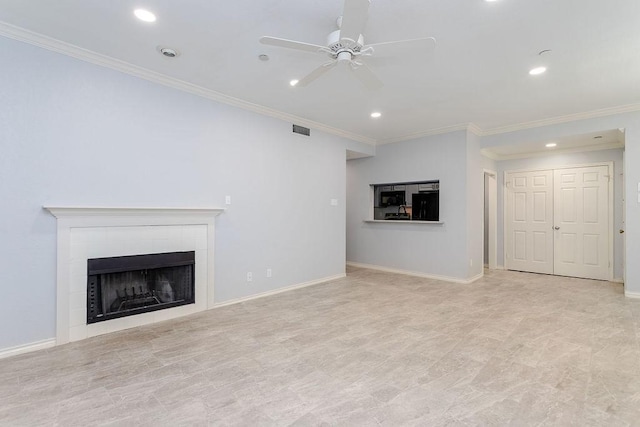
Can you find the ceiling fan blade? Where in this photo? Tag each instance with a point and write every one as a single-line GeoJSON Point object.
{"type": "Point", "coordinates": [354, 18]}
{"type": "Point", "coordinates": [291, 44]}
{"type": "Point", "coordinates": [316, 73]}
{"type": "Point", "coordinates": [423, 45]}
{"type": "Point", "coordinates": [366, 76]}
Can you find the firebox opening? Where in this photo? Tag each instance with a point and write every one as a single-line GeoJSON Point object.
{"type": "Point", "coordinates": [128, 285]}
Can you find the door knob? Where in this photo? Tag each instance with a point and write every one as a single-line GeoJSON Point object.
{"type": "Point", "coordinates": [556, 228]}
{"type": "Point", "coordinates": [621, 231]}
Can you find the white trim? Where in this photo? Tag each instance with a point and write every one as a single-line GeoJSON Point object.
{"type": "Point", "coordinates": [612, 220]}
{"type": "Point", "coordinates": [487, 152]}
{"type": "Point", "coordinates": [280, 290]}
{"type": "Point", "coordinates": [579, 165]}
{"type": "Point", "coordinates": [617, 280]}
{"type": "Point", "coordinates": [119, 211]}
{"type": "Point", "coordinates": [49, 343]}
{"type": "Point", "coordinates": [430, 132]}
{"type": "Point", "coordinates": [603, 112]}
{"type": "Point", "coordinates": [475, 129]}
{"type": "Point", "coordinates": [75, 217]}
{"type": "Point", "coordinates": [416, 274]}
{"type": "Point", "coordinates": [634, 295]}
{"type": "Point", "coordinates": [49, 43]}
{"type": "Point", "coordinates": [504, 220]}
{"type": "Point", "coordinates": [27, 348]}
{"type": "Point", "coordinates": [82, 54]}
{"type": "Point", "coordinates": [493, 217]}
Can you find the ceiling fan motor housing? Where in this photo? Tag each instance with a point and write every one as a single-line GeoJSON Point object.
{"type": "Point", "coordinates": [343, 50]}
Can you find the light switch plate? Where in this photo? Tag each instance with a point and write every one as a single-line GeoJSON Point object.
{"type": "Point", "coordinates": [334, 202]}
{"type": "Point", "coordinates": [227, 200]}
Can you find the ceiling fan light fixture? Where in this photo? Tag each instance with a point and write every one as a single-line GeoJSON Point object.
{"type": "Point", "coordinates": [537, 71]}
{"type": "Point", "coordinates": [346, 46]}
{"type": "Point", "coordinates": [376, 114]}
{"type": "Point", "coordinates": [144, 15]}
{"type": "Point", "coordinates": [294, 82]}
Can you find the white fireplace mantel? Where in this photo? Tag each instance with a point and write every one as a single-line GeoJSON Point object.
{"type": "Point", "coordinates": [92, 232]}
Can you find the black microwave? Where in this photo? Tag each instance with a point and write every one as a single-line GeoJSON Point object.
{"type": "Point", "coordinates": [392, 198]}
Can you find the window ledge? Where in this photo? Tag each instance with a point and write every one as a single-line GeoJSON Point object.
{"type": "Point", "coordinates": [394, 221]}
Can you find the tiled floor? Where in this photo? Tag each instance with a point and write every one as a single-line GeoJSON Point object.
{"type": "Point", "coordinates": [372, 349]}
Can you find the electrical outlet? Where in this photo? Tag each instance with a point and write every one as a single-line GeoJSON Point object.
{"type": "Point", "coordinates": [249, 277]}
{"type": "Point", "coordinates": [227, 200]}
{"type": "Point", "coordinates": [268, 272]}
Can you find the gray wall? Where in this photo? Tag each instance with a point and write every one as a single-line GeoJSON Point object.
{"type": "Point", "coordinates": [549, 162]}
{"type": "Point", "coordinates": [72, 133]}
{"type": "Point", "coordinates": [475, 205]}
{"type": "Point", "coordinates": [430, 249]}
{"type": "Point", "coordinates": [632, 206]}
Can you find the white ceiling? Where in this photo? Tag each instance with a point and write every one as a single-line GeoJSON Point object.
{"type": "Point", "coordinates": [478, 73]}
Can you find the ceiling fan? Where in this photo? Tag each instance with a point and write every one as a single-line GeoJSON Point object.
{"type": "Point", "coordinates": [346, 45]}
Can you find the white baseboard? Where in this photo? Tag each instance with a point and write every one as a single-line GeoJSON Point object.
{"type": "Point", "coordinates": [634, 295]}
{"type": "Point", "coordinates": [279, 291]}
{"type": "Point", "coordinates": [476, 277]}
{"type": "Point", "coordinates": [416, 274]}
{"type": "Point", "coordinates": [41, 345]}
{"type": "Point", "coordinates": [27, 348]}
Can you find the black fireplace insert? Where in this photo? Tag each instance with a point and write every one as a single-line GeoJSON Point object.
{"type": "Point", "coordinates": [128, 285]}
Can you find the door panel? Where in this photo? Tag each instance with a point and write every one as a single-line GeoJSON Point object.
{"type": "Point", "coordinates": [557, 222]}
{"type": "Point", "coordinates": [529, 218]}
{"type": "Point", "coordinates": [581, 215]}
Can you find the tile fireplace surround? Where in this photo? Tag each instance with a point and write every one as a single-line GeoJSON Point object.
{"type": "Point", "coordinates": [87, 232]}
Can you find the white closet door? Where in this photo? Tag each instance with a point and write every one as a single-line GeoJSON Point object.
{"type": "Point", "coordinates": [581, 213]}
{"type": "Point", "coordinates": [529, 218]}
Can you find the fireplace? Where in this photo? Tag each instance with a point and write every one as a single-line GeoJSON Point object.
{"type": "Point", "coordinates": [85, 233]}
{"type": "Point", "coordinates": [128, 285]}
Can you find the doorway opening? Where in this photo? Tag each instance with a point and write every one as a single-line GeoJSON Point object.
{"type": "Point", "coordinates": [490, 219]}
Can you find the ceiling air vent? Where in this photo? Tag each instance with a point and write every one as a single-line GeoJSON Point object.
{"type": "Point", "coordinates": [301, 130]}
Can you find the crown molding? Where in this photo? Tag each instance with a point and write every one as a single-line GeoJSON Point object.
{"type": "Point", "coordinates": [494, 156]}
{"type": "Point", "coordinates": [40, 40]}
{"type": "Point", "coordinates": [475, 129]}
{"type": "Point", "coordinates": [431, 132]}
{"type": "Point", "coordinates": [86, 55]}
{"type": "Point", "coordinates": [603, 112]}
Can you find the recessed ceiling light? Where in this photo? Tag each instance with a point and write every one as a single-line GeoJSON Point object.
{"type": "Point", "coordinates": [551, 145]}
{"type": "Point", "coordinates": [263, 57]}
{"type": "Point", "coordinates": [538, 70]}
{"type": "Point", "coordinates": [293, 82]}
{"type": "Point", "coordinates": [144, 15]}
{"type": "Point", "coordinates": [376, 114]}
